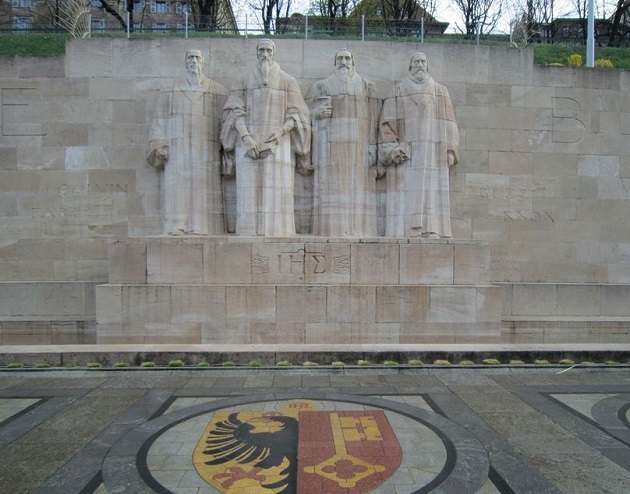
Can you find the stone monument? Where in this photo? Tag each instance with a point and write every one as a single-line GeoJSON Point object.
{"type": "Point", "coordinates": [267, 129]}
{"type": "Point", "coordinates": [344, 109]}
{"type": "Point", "coordinates": [419, 143]}
{"type": "Point", "coordinates": [184, 143]}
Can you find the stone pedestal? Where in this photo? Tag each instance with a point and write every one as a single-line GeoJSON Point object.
{"type": "Point", "coordinates": [255, 290]}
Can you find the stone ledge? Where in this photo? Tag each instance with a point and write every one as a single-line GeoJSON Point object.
{"type": "Point", "coordinates": [59, 355]}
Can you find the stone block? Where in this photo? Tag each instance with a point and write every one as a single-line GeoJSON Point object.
{"type": "Point", "coordinates": [227, 262]}
{"type": "Point", "coordinates": [615, 300]}
{"type": "Point", "coordinates": [377, 333]}
{"type": "Point", "coordinates": [227, 333]}
{"type": "Point", "coordinates": [328, 333]}
{"type": "Point", "coordinates": [375, 263]}
{"type": "Point", "coordinates": [537, 299]}
{"type": "Point", "coordinates": [198, 303]}
{"type": "Point", "coordinates": [350, 304]}
{"type": "Point", "coordinates": [127, 262]}
{"type": "Point", "coordinates": [402, 303]}
{"type": "Point", "coordinates": [452, 304]}
{"type": "Point", "coordinates": [109, 305]}
{"type": "Point", "coordinates": [426, 264]}
{"type": "Point", "coordinates": [471, 264]}
{"type": "Point", "coordinates": [174, 262]}
{"type": "Point", "coordinates": [301, 304]}
{"type": "Point", "coordinates": [146, 303]}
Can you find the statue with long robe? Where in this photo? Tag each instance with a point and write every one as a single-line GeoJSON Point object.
{"type": "Point", "coordinates": [184, 143]}
{"type": "Point", "coordinates": [267, 134]}
{"type": "Point", "coordinates": [344, 110]}
{"type": "Point", "coordinates": [418, 143]}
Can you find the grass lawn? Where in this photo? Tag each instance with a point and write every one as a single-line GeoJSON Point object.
{"type": "Point", "coordinates": [55, 44]}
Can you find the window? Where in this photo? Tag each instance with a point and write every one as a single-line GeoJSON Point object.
{"type": "Point", "coordinates": [138, 7]}
{"type": "Point", "coordinates": [160, 8]}
{"type": "Point", "coordinates": [22, 23]}
{"type": "Point", "coordinates": [96, 4]}
{"type": "Point", "coordinates": [23, 4]}
{"type": "Point", "coordinates": [98, 24]}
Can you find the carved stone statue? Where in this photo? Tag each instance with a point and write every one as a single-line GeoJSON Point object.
{"type": "Point", "coordinates": [419, 142]}
{"type": "Point", "coordinates": [184, 143]}
{"type": "Point", "coordinates": [344, 108]}
{"type": "Point", "coordinates": [267, 130]}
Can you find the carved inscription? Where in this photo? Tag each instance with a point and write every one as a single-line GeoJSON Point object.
{"type": "Point", "coordinates": [300, 262]}
{"type": "Point", "coordinates": [533, 216]}
{"type": "Point", "coordinates": [67, 190]}
{"type": "Point", "coordinates": [566, 126]}
{"type": "Point", "coordinates": [10, 99]}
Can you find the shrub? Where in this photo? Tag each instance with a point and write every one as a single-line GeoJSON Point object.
{"type": "Point", "coordinates": [255, 363]}
{"type": "Point", "coordinates": [363, 363]}
{"type": "Point", "coordinates": [441, 362]}
{"type": "Point", "coordinates": [467, 362]}
{"type": "Point", "coordinates": [147, 364]}
{"type": "Point", "coordinates": [566, 361]}
{"type": "Point", "coordinates": [176, 363]}
{"type": "Point", "coordinates": [337, 363]}
{"type": "Point", "coordinates": [284, 363]}
{"type": "Point", "coordinates": [516, 362]}
{"type": "Point", "coordinates": [14, 365]}
{"type": "Point", "coordinates": [42, 365]}
{"type": "Point", "coordinates": [203, 364]}
{"type": "Point", "coordinates": [93, 365]}
{"type": "Point", "coordinates": [70, 365]}
{"type": "Point", "coordinates": [611, 362]}
{"type": "Point", "coordinates": [604, 63]}
{"type": "Point", "coordinates": [588, 363]}
{"type": "Point", "coordinates": [229, 363]}
{"type": "Point", "coordinates": [121, 364]}
{"type": "Point", "coordinates": [390, 363]}
{"type": "Point", "coordinates": [491, 361]}
{"type": "Point", "coordinates": [575, 60]}
{"type": "Point", "coordinates": [308, 363]}
{"type": "Point", "coordinates": [416, 362]}
{"type": "Point", "coordinates": [541, 362]}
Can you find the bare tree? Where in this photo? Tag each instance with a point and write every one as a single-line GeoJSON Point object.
{"type": "Point", "coordinates": [531, 19]}
{"type": "Point", "coordinates": [479, 16]}
{"type": "Point", "coordinates": [620, 26]}
{"type": "Point", "coordinates": [269, 10]}
{"type": "Point", "coordinates": [333, 8]}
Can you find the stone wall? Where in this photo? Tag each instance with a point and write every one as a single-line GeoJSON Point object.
{"type": "Point", "coordinates": [544, 174]}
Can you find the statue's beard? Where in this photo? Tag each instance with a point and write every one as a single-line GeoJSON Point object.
{"type": "Point", "coordinates": [419, 75]}
{"type": "Point", "coordinates": [344, 72]}
{"type": "Point", "coordinates": [194, 70]}
{"type": "Point", "coordinates": [265, 65]}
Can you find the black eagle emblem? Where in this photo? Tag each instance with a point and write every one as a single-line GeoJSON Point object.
{"type": "Point", "coordinates": [234, 440]}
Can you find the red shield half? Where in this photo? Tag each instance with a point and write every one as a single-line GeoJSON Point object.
{"type": "Point", "coordinates": [351, 452]}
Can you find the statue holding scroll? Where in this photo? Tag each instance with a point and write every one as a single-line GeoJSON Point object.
{"type": "Point", "coordinates": [344, 109]}
{"type": "Point", "coordinates": [267, 134]}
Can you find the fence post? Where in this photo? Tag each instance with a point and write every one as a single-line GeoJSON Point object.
{"type": "Point", "coordinates": [478, 33]}
{"type": "Point", "coordinates": [127, 24]}
{"type": "Point", "coordinates": [422, 30]}
{"type": "Point", "coordinates": [363, 27]}
{"type": "Point", "coordinates": [306, 27]}
{"type": "Point", "coordinates": [246, 30]}
{"type": "Point", "coordinates": [186, 21]}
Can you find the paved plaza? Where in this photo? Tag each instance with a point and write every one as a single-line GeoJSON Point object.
{"type": "Point", "coordinates": [348, 430]}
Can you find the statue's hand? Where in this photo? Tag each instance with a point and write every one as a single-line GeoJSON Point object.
{"type": "Point", "coordinates": [251, 147]}
{"type": "Point", "coordinates": [275, 137]}
{"type": "Point", "coordinates": [451, 159]}
{"type": "Point", "coordinates": [323, 112]}
{"type": "Point", "coordinates": [158, 157]}
{"type": "Point", "coordinates": [398, 156]}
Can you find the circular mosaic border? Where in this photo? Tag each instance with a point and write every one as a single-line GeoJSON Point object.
{"type": "Point", "coordinates": [466, 469]}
